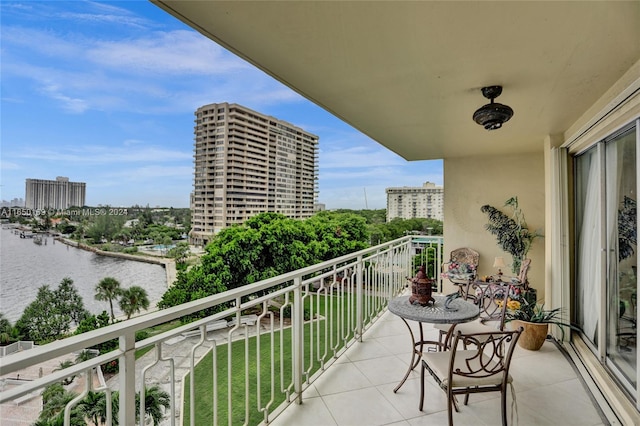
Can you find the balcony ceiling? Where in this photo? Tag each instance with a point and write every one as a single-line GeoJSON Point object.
{"type": "Point", "coordinates": [408, 74]}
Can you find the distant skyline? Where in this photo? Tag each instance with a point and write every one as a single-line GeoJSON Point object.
{"type": "Point", "coordinates": [105, 93]}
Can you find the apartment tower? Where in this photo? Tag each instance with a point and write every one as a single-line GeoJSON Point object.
{"type": "Point", "coordinates": [426, 201]}
{"type": "Point", "coordinates": [248, 163]}
{"type": "Point", "coordinates": [54, 194]}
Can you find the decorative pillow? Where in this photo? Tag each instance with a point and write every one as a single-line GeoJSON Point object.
{"type": "Point", "coordinates": [460, 271]}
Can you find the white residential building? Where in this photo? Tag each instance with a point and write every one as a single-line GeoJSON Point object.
{"type": "Point", "coordinates": [426, 201]}
{"type": "Point", "coordinates": [54, 194]}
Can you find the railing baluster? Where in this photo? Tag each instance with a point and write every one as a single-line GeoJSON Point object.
{"type": "Point", "coordinates": [214, 381]}
{"type": "Point", "coordinates": [172, 381]}
{"type": "Point", "coordinates": [359, 300]}
{"type": "Point", "coordinates": [127, 377]}
{"type": "Point", "coordinates": [230, 363]}
{"type": "Point", "coordinates": [296, 336]}
{"type": "Point", "coordinates": [192, 376]}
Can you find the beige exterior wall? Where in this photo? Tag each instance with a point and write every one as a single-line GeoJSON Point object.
{"type": "Point", "coordinates": [474, 182]}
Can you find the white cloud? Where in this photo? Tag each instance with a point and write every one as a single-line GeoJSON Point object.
{"type": "Point", "coordinates": [349, 157]}
{"type": "Point", "coordinates": [153, 172]}
{"type": "Point", "coordinates": [173, 52]}
{"type": "Point", "coordinates": [19, 41]}
{"type": "Point", "coordinates": [74, 105]}
{"type": "Point", "coordinates": [100, 155]}
{"type": "Point", "coordinates": [6, 165]}
{"type": "Point", "coordinates": [167, 72]}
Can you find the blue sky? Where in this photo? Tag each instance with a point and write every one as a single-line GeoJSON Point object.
{"type": "Point", "coordinates": [104, 93]}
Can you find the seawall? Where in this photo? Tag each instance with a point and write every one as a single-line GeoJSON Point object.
{"type": "Point", "coordinates": [168, 264]}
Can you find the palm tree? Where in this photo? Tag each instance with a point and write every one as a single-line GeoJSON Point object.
{"type": "Point", "coordinates": [94, 407]}
{"type": "Point", "coordinates": [66, 364]}
{"type": "Point", "coordinates": [85, 355]}
{"type": "Point", "coordinates": [133, 300]}
{"type": "Point", "coordinates": [54, 399]}
{"type": "Point", "coordinates": [108, 289]}
{"type": "Point", "coordinates": [154, 400]}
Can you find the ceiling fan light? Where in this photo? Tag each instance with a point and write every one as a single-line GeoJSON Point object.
{"type": "Point", "coordinates": [493, 115]}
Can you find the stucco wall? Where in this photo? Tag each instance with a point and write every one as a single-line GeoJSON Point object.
{"type": "Point", "coordinates": [471, 183]}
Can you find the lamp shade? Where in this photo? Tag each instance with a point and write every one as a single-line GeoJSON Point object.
{"type": "Point", "coordinates": [498, 262]}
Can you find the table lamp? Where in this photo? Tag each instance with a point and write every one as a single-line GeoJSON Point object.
{"type": "Point", "coordinates": [499, 263]}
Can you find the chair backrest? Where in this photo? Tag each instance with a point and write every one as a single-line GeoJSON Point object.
{"type": "Point", "coordinates": [490, 356]}
{"type": "Point", "coordinates": [465, 255]}
{"type": "Point", "coordinates": [462, 265]}
{"type": "Point", "coordinates": [524, 270]}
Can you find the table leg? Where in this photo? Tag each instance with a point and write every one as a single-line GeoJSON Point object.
{"type": "Point", "coordinates": [417, 346]}
{"type": "Point", "coordinates": [413, 356]}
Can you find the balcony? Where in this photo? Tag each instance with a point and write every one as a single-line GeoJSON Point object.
{"type": "Point", "coordinates": [327, 351]}
{"type": "Point", "coordinates": [358, 389]}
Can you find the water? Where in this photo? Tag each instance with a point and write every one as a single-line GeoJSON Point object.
{"type": "Point", "coordinates": [26, 266]}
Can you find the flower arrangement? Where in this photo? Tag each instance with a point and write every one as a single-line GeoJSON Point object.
{"type": "Point", "coordinates": [523, 310]}
{"type": "Point", "coordinates": [512, 304]}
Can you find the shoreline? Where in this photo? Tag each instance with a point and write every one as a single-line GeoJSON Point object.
{"type": "Point", "coordinates": [168, 264]}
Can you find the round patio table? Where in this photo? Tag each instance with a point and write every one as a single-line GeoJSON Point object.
{"type": "Point", "coordinates": [458, 311]}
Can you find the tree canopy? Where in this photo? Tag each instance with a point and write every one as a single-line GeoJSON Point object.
{"type": "Point", "coordinates": [51, 314]}
{"type": "Point", "coordinates": [265, 246]}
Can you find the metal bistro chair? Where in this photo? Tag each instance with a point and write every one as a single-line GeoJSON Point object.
{"type": "Point", "coordinates": [485, 368]}
{"type": "Point", "coordinates": [490, 297]}
{"type": "Point", "coordinates": [462, 269]}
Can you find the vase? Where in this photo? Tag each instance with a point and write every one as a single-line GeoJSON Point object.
{"type": "Point", "coordinates": [533, 334]}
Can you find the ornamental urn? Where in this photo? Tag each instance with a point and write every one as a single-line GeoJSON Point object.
{"type": "Point", "coordinates": [421, 288]}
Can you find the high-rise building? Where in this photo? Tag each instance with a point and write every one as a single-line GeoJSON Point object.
{"type": "Point", "coordinates": [54, 194]}
{"type": "Point", "coordinates": [426, 201]}
{"type": "Point", "coordinates": [248, 163]}
{"type": "Point", "coordinates": [15, 202]}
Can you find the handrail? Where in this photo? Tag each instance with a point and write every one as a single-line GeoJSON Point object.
{"type": "Point", "coordinates": [382, 269]}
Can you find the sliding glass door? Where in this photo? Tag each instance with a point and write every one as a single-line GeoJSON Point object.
{"type": "Point", "coordinates": [606, 252]}
{"type": "Point", "coordinates": [622, 284]}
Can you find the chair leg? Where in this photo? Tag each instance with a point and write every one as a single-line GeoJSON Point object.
{"type": "Point", "coordinates": [503, 401]}
{"type": "Point", "coordinates": [443, 340]}
{"type": "Point", "coordinates": [421, 387]}
{"type": "Point", "coordinates": [450, 404]}
{"type": "Point", "coordinates": [466, 399]}
{"type": "Point", "coordinates": [455, 403]}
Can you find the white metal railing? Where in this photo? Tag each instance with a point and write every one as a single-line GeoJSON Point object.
{"type": "Point", "coordinates": [265, 343]}
{"type": "Point", "coordinates": [15, 347]}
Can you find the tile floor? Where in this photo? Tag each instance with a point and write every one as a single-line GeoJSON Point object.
{"type": "Point", "coordinates": [358, 389]}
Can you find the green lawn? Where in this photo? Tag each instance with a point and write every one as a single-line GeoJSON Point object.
{"type": "Point", "coordinates": [282, 365]}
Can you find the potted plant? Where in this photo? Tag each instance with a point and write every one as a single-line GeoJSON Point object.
{"type": "Point", "coordinates": [512, 232]}
{"type": "Point", "coordinates": [535, 320]}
